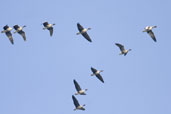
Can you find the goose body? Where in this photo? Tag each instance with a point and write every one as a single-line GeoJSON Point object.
{"type": "Point", "coordinates": [48, 27]}
{"type": "Point", "coordinates": [83, 31]}
{"type": "Point", "coordinates": [148, 29]}
{"type": "Point", "coordinates": [78, 88]}
{"type": "Point", "coordinates": [122, 49]}
{"type": "Point", "coordinates": [7, 31]}
{"type": "Point", "coordinates": [97, 74]}
{"type": "Point", "coordinates": [77, 105]}
{"type": "Point", "coordinates": [20, 31]}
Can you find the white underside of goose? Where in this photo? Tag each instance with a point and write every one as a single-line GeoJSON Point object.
{"type": "Point", "coordinates": [81, 107]}
{"type": "Point", "coordinates": [96, 73]}
{"type": "Point", "coordinates": [18, 30]}
{"type": "Point", "coordinates": [8, 29]}
{"type": "Point", "coordinates": [147, 28]}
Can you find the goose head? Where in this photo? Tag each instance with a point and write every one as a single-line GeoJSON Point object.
{"type": "Point", "coordinates": [154, 26]}
{"type": "Point", "coordinates": [24, 26]}
{"type": "Point", "coordinates": [88, 28]}
{"type": "Point", "coordinates": [129, 49]}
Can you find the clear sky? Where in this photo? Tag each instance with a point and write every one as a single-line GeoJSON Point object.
{"type": "Point", "coordinates": [36, 76]}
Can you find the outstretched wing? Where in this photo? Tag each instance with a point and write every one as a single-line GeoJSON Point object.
{"type": "Point", "coordinates": [93, 70]}
{"type": "Point", "coordinates": [86, 36]}
{"type": "Point", "coordinates": [77, 86]}
{"type": "Point", "coordinates": [16, 27]}
{"type": "Point", "coordinates": [150, 32]}
{"type": "Point", "coordinates": [51, 31]}
{"type": "Point", "coordinates": [100, 77]}
{"type": "Point", "coordinates": [9, 35]}
{"type": "Point", "coordinates": [22, 33]}
{"type": "Point", "coordinates": [45, 24]}
{"type": "Point", "coordinates": [80, 28]}
{"type": "Point", "coordinates": [76, 103]}
{"type": "Point", "coordinates": [121, 47]}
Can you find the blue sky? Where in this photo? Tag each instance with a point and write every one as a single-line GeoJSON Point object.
{"type": "Point", "coordinates": [36, 76]}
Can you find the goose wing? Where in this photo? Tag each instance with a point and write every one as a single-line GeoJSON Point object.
{"type": "Point", "coordinates": [16, 27]}
{"type": "Point", "coordinates": [22, 33]}
{"type": "Point", "coordinates": [51, 31]}
{"type": "Point", "coordinates": [9, 35]}
{"type": "Point", "coordinates": [76, 103]}
{"type": "Point", "coordinates": [93, 70]}
{"type": "Point", "coordinates": [86, 36]}
{"type": "Point", "coordinates": [80, 28]}
{"type": "Point", "coordinates": [77, 86]}
{"type": "Point", "coordinates": [45, 24]}
{"type": "Point", "coordinates": [5, 27]}
{"type": "Point", "coordinates": [150, 32]}
{"type": "Point", "coordinates": [100, 77]}
{"type": "Point", "coordinates": [121, 47]}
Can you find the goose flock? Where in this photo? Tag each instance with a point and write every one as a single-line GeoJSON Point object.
{"type": "Point", "coordinates": [83, 31]}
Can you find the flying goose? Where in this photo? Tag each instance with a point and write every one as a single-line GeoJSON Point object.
{"type": "Point", "coordinates": [20, 31]}
{"type": "Point", "coordinates": [77, 105]}
{"type": "Point", "coordinates": [148, 29]}
{"type": "Point", "coordinates": [83, 31]}
{"type": "Point", "coordinates": [49, 27]}
{"type": "Point", "coordinates": [7, 31]}
{"type": "Point", "coordinates": [123, 50]}
{"type": "Point", "coordinates": [78, 88]}
{"type": "Point", "coordinates": [97, 74]}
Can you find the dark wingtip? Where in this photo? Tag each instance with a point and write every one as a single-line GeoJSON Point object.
{"type": "Point", "coordinates": [74, 80]}
{"type": "Point", "coordinates": [116, 43]}
{"type": "Point", "coordinates": [12, 42]}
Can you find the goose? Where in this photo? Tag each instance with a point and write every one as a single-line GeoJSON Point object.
{"type": "Point", "coordinates": [7, 31]}
{"type": "Point", "coordinates": [20, 31]}
{"type": "Point", "coordinates": [83, 31]}
{"type": "Point", "coordinates": [97, 74]}
{"type": "Point", "coordinates": [49, 27]}
{"type": "Point", "coordinates": [148, 29]}
{"type": "Point", "coordinates": [123, 50]}
{"type": "Point", "coordinates": [78, 88]}
{"type": "Point", "coordinates": [77, 105]}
